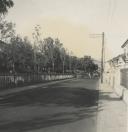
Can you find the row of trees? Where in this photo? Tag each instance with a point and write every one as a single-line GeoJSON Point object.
{"type": "Point", "coordinates": [20, 55]}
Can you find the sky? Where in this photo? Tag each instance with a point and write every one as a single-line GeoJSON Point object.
{"type": "Point", "coordinates": [74, 22]}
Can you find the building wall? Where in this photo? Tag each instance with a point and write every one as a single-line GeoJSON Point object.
{"type": "Point", "coordinates": [113, 78]}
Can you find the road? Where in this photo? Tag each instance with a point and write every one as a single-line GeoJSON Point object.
{"type": "Point", "coordinates": [69, 106]}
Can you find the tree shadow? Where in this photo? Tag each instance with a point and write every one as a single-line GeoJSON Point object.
{"type": "Point", "coordinates": [109, 96]}
{"type": "Point", "coordinates": [48, 120]}
{"type": "Point", "coordinates": [55, 94]}
{"type": "Point", "coordinates": [83, 101]}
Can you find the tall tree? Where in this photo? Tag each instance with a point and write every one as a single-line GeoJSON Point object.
{"type": "Point", "coordinates": [7, 30]}
{"type": "Point", "coordinates": [63, 56]}
{"type": "Point", "coordinates": [49, 51]}
{"type": "Point", "coordinates": [5, 5]}
{"type": "Point", "coordinates": [37, 46]}
{"type": "Point", "coordinates": [21, 55]}
{"type": "Point", "coordinates": [57, 55]}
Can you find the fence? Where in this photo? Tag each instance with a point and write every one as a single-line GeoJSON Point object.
{"type": "Point", "coordinates": [11, 81]}
{"type": "Point", "coordinates": [124, 77]}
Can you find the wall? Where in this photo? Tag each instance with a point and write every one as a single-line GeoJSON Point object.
{"type": "Point", "coordinates": [120, 90]}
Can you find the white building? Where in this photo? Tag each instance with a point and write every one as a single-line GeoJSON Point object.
{"type": "Point", "coordinates": [116, 73]}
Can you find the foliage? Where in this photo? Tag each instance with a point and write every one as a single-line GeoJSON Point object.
{"type": "Point", "coordinates": [7, 30]}
{"type": "Point", "coordinates": [5, 5]}
{"type": "Point", "coordinates": [45, 55]}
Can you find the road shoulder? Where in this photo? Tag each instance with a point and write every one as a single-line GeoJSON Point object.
{"type": "Point", "coordinates": [19, 89]}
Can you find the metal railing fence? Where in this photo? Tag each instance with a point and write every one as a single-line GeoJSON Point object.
{"type": "Point", "coordinates": [17, 80]}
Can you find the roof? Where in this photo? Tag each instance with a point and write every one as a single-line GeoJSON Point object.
{"type": "Point", "coordinates": [117, 57]}
{"type": "Point", "coordinates": [126, 42]}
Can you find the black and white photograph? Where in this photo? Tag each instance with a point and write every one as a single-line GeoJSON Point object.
{"type": "Point", "coordinates": [63, 66]}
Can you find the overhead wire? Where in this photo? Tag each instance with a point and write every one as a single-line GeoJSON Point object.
{"type": "Point", "coordinates": [112, 6]}
{"type": "Point", "coordinates": [111, 9]}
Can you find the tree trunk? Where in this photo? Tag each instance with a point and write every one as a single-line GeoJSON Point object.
{"type": "Point", "coordinates": [53, 65]}
{"type": "Point", "coordinates": [63, 67]}
{"type": "Point", "coordinates": [89, 75]}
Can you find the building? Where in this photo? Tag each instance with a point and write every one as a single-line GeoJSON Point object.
{"type": "Point", "coordinates": [125, 48]}
{"type": "Point", "coordinates": [116, 73]}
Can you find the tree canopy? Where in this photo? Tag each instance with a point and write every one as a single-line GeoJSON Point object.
{"type": "Point", "coordinates": [20, 55]}
{"type": "Point", "coordinates": [51, 56]}
{"type": "Point", "coordinates": [5, 5]}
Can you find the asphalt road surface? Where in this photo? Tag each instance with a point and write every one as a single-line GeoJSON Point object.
{"type": "Point", "coordinates": [69, 106]}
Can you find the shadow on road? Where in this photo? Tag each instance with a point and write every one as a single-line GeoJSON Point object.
{"type": "Point", "coordinates": [67, 105]}
{"type": "Point", "coordinates": [77, 97]}
{"type": "Point", "coordinates": [47, 121]}
{"type": "Point", "coordinates": [105, 98]}
{"type": "Point", "coordinates": [109, 96]}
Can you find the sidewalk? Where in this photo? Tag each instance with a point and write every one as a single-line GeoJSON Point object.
{"type": "Point", "coordinates": [112, 114]}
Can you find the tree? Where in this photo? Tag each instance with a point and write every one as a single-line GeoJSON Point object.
{"type": "Point", "coordinates": [74, 63]}
{"type": "Point", "coordinates": [5, 5]}
{"type": "Point", "coordinates": [70, 54]}
{"type": "Point", "coordinates": [4, 62]}
{"type": "Point", "coordinates": [49, 51]}
{"type": "Point", "coordinates": [59, 55]}
{"type": "Point", "coordinates": [91, 68]}
{"type": "Point", "coordinates": [63, 56]}
{"type": "Point", "coordinates": [21, 55]}
{"type": "Point", "coordinates": [7, 30]}
{"type": "Point", "coordinates": [38, 49]}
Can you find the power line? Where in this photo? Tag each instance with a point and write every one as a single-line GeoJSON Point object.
{"type": "Point", "coordinates": [109, 10]}
{"type": "Point", "coordinates": [112, 6]}
{"type": "Point", "coordinates": [114, 9]}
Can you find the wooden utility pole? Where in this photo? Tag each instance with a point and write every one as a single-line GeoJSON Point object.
{"type": "Point", "coordinates": [102, 53]}
{"type": "Point", "coordinates": [102, 59]}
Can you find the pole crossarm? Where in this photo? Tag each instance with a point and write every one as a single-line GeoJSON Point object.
{"type": "Point", "coordinates": [95, 35]}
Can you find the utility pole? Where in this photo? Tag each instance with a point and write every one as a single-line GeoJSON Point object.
{"type": "Point", "coordinates": [102, 59]}
{"type": "Point", "coordinates": [102, 53]}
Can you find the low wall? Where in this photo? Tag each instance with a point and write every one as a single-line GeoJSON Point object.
{"type": "Point", "coordinates": [118, 80]}
{"type": "Point", "coordinates": [125, 96]}
{"type": "Point", "coordinates": [122, 92]}
{"type": "Point", "coordinates": [119, 91]}
{"type": "Point", "coordinates": [10, 81]}
{"type": "Point", "coordinates": [121, 85]}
